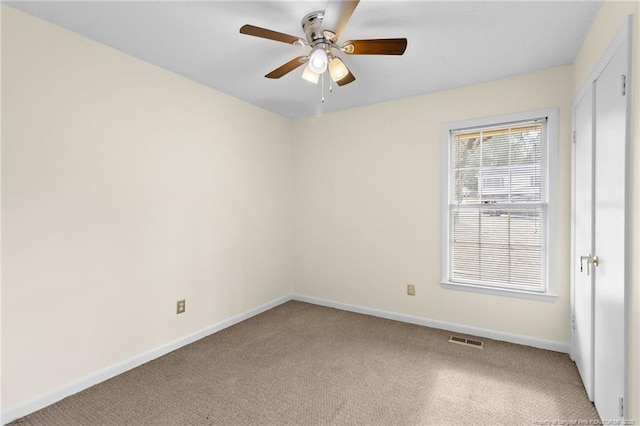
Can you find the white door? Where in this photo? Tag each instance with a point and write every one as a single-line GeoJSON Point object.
{"type": "Point", "coordinates": [610, 237]}
{"type": "Point", "coordinates": [583, 289]}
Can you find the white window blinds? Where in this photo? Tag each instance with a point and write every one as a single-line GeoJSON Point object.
{"type": "Point", "coordinates": [498, 206]}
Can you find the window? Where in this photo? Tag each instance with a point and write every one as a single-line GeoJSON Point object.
{"type": "Point", "coordinates": [497, 215]}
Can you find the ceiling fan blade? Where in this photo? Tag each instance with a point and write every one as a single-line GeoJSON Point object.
{"type": "Point", "coordinates": [252, 30]}
{"type": "Point", "coordinates": [349, 78]}
{"type": "Point", "coordinates": [288, 67]}
{"type": "Point", "coordinates": [336, 16]}
{"type": "Point", "coordinates": [380, 46]}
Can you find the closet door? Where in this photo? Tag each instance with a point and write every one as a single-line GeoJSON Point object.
{"type": "Point", "coordinates": [582, 321]}
{"type": "Point", "coordinates": [610, 269]}
{"type": "Point", "coordinates": [600, 225]}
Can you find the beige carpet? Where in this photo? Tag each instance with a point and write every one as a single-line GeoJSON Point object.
{"type": "Point", "coordinates": [305, 365]}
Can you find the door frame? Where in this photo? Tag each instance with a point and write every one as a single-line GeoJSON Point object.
{"type": "Point", "coordinates": [624, 34]}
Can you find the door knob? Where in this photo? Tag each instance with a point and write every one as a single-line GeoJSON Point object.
{"type": "Point", "coordinates": [589, 259]}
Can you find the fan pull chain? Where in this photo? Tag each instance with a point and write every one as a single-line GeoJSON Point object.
{"type": "Point", "coordinates": [322, 78]}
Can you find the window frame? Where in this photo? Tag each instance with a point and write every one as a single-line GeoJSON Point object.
{"type": "Point", "coordinates": [550, 166]}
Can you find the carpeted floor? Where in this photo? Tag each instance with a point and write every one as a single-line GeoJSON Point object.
{"type": "Point", "coordinates": [301, 364]}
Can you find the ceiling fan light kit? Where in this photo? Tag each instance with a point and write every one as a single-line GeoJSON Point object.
{"type": "Point", "coordinates": [322, 30]}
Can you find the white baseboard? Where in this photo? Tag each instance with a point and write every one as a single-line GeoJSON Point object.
{"type": "Point", "coordinates": [443, 325]}
{"type": "Point", "coordinates": [56, 395]}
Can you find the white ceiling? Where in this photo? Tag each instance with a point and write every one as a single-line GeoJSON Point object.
{"type": "Point", "coordinates": [450, 44]}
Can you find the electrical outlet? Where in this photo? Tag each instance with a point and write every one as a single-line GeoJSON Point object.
{"type": "Point", "coordinates": [411, 290]}
{"type": "Point", "coordinates": [181, 306]}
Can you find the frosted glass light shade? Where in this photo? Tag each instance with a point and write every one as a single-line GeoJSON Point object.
{"type": "Point", "coordinates": [318, 61]}
{"type": "Point", "coordinates": [310, 76]}
{"type": "Point", "coordinates": [337, 69]}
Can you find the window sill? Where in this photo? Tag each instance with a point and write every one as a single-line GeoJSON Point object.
{"type": "Point", "coordinates": [546, 297]}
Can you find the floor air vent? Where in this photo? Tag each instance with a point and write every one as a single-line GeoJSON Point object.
{"type": "Point", "coordinates": [466, 342]}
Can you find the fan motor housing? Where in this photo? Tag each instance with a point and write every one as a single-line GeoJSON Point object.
{"type": "Point", "coordinates": [312, 27]}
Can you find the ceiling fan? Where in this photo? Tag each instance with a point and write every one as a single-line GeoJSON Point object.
{"type": "Point", "coordinates": [322, 30]}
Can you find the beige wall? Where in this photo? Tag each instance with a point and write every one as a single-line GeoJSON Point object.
{"type": "Point", "coordinates": [125, 188]}
{"type": "Point", "coordinates": [367, 206]}
{"type": "Point", "coordinates": [610, 19]}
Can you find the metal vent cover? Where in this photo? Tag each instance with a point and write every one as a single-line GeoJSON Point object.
{"type": "Point", "coordinates": [467, 342]}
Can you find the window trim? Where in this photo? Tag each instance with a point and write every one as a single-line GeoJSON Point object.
{"type": "Point", "coordinates": [551, 182]}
